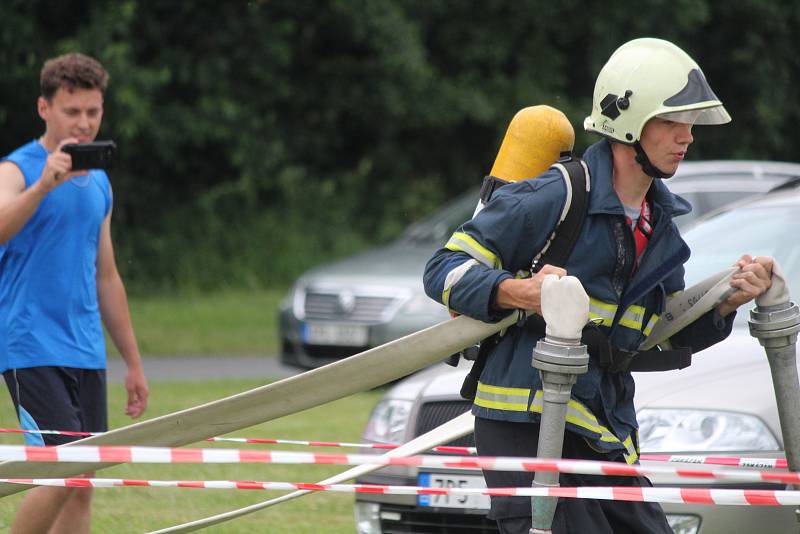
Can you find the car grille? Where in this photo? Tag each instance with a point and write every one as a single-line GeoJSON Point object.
{"type": "Point", "coordinates": [434, 522]}
{"type": "Point", "coordinates": [329, 305]}
{"type": "Point", "coordinates": [433, 414]}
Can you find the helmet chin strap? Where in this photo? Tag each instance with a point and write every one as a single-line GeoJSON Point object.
{"type": "Point", "coordinates": [647, 166]}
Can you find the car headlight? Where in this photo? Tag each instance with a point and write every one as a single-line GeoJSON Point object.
{"type": "Point", "coordinates": [367, 518]}
{"type": "Point", "coordinates": [388, 421]}
{"type": "Point", "coordinates": [676, 430]}
{"type": "Point", "coordinates": [298, 299]}
{"type": "Point", "coordinates": [684, 523]}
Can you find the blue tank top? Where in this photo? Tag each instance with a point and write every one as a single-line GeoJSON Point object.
{"type": "Point", "coordinates": [49, 313]}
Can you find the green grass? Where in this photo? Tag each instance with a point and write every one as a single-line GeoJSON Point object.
{"type": "Point", "coordinates": [122, 510]}
{"type": "Point", "coordinates": [222, 322]}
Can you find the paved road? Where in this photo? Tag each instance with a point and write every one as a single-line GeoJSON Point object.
{"type": "Point", "coordinates": [182, 368]}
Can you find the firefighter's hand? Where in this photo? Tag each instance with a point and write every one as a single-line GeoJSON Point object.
{"type": "Point", "coordinates": [525, 293]}
{"type": "Point", "coordinates": [752, 280]}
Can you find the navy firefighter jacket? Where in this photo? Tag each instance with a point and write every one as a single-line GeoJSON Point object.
{"type": "Point", "coordinates": [501, 242]}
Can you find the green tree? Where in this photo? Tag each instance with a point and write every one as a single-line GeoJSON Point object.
{"type": "Point", "coordinates": [259, 138]}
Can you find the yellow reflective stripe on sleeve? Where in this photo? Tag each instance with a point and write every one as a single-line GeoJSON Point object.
{"type": "Point", "coordinates": [453, 277]}
{"type": "Point", "coordinates": [462, 242]}
{"type": "Point", "coordinates": [516, 400]}
{"type": "Point", "coordinates": [631, 454]}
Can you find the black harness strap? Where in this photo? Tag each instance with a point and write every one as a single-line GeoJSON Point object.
{"type": "Point", "coordinates": [489, 186]}
{"type": "Point", "coordinates": [567, 232]}
{"type": "Point", "coordinates": [617, 360]}
{"type": "Point", "coordinates": [557, 253]}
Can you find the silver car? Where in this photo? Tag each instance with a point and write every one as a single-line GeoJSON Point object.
{"type": "Point", "coordinates": [363, 301]}
{"type": "Point", "coordinates": [723, 403]}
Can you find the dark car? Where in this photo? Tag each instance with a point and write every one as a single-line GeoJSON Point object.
{"type": "Point", "coordinates": [351, 305]}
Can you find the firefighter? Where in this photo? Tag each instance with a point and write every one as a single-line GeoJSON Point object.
{"type": "Point", "coordinates": [629, 257]}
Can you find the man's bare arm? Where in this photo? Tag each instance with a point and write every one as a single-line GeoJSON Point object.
{"type": "Point", "coordinates": [115, 314]}
{"type": "Point", "coordinates": [18, 203]}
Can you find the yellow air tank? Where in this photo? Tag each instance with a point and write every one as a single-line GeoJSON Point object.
{"type": "Point", "coordinates": [536, 137]}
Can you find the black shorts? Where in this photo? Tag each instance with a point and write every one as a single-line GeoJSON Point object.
{"type": "Point", "coordinates": [572, 516]}
{"type": "Point", "coordinates": [58, 398]}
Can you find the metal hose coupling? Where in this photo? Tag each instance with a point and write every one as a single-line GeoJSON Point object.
{"type": "Point", "coordinates": [775, 326]}
{"type": "Point", "coordinates": [559, 361]}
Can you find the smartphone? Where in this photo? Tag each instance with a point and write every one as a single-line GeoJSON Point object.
{"type": "Point", "coordinates": [96, 155]}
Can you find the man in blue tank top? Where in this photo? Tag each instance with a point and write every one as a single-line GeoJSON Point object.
{"type": "Point", "coordinates": [58, 280]}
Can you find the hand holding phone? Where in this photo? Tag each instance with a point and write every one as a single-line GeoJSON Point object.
{"type": "Point", "coordinates": [95, 155]}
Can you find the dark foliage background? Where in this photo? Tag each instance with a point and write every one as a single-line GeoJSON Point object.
{"type": "Point", "coordinates": [260, 138]}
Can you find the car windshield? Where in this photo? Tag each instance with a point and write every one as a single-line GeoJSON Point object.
{"type": "Point", "coordinates": [703, 202]}
{"type": "Point", "coordinates": [758, 230]}
{"type": "Point", "coordinates": [441, 226]}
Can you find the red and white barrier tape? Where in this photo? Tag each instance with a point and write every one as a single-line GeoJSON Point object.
{"type": "Point", "coordinates": [49, 432]}
{"type": "Point", "coordinates": [729, 461]}
{"type": "Point", "coordinates": [122, 454]}
{"type": "Point", "coordinates": [266, 441]}
{"type": "Point", "coordinates": [615, 493]}
{"type": "Point", "coordinates": [382, 446]}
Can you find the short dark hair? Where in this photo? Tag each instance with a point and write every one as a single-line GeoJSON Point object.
{"type": "Point", "coordinates": [72, 71]}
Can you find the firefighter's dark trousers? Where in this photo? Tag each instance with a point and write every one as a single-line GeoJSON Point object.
{"type": "Point", "coordinates": [573, 516]}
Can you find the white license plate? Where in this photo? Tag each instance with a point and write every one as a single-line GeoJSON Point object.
{"type": "Point", "coordinates": [452, 480]}
{"type": "Point", "coordinates": [340, 334]}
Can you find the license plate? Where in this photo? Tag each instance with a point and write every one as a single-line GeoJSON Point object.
{"type": "Point", "coordinates": [452, 480]}
{"type": "Point", "coordinates": [340, 334]}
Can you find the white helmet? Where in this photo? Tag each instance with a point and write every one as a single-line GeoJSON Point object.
{"type": "Point", "coordinates": [647, 78]}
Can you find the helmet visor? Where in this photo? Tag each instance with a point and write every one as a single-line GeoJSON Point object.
{"type": "Point", "coordinates": [707, 116]}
